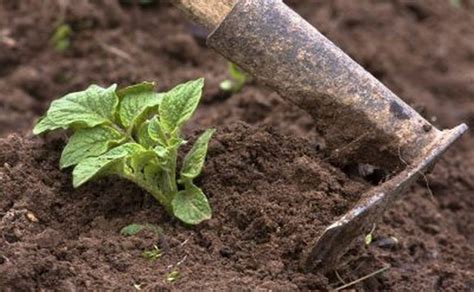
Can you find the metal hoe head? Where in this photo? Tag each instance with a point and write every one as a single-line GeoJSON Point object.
{"type": "Point", "coordinates": [361, 119]}
{"type": "Point", "coordinates": [338, 236]}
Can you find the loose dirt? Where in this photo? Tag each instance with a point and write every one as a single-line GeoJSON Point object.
{"type": "Point", "coordinates": [267, 176]}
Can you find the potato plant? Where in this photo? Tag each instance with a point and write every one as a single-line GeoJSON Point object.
{"type": "Point", "coordinates": [135, 133]}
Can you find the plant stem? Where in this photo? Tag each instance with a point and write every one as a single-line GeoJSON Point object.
{"type": "Point", "coordinates": [154, 191]}
{"type": "Point", "coordinates": [174, 158]}
{"type": "Point", "coordinates": [170, 186]}
{"type": "Point", "coordinates": [122, 132]}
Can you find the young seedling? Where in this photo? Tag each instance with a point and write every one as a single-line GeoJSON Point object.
{"type": "Point", "coordinates": [152, 254]}
{"type": "Point", "coordinates": [456, 3]}
{"type": "Point", "coordinates": [172, 276]}
{"type": "Point", "coordinates": [133, 229]}
{"type": "Point", "coordinates": [135, 133]}
{"type": "Point", "coordinates": [61, 39]}
{"type": "Point", "coordinates": [369, 237]}
{"type": "Point", "coordinates": [238, 79]}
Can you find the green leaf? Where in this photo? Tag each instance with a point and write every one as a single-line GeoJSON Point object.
{"type": "Point", "coordinates": [91, 107]}
{"type": "Point", "coordinates": [161, 151]}
{"type": "Point", "coordinates": [61, 39]}
{"type": "Point", "coordinates": [156, 131]}
{"type": "Point", "coordinates": [152, 174]}
{"type": "Point", "coordinates": [133, 229]}
{"type": "Point", "coordinates": [175, 142]}
{"type": "Point", "coordinates": [94, 166]}
{"type": "Point", "coordinates": [147, 168]}
{"type": "Point", "coordinates": [194, 160]}
{"type": "Point", "coordinates": [191, 205]}
{"type": "Point", "coordinates": [136, 100]}
{"type": "Point", "coordinates": [172, 276]}
{"type": "Point", "coordinates": [179, 104]}
{"type": "Point", "coordinates": [136, 89]}
{"type": "Point", "coordinates": [236, 73]}
{"type": "Point", "coordinates": [368, 239]}
{"type": "Point", "coordinates": [143, 136]}
{"type": "Point", "coordinates": [152, 254]}
{"type": "Point", "coordinates": [88, 142]}
{"type": "Point", "coordinates": [139, 160]}
{"type": "Point", "coordinates": [43, 124]}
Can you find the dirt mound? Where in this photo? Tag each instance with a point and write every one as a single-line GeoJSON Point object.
{"type": "Point", "coordinates": [271, 196]}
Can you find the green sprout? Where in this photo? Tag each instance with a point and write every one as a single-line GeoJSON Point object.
{"type": "Point", "coordinates": [172, 276]}
{"type": "Point", "coordinates": [133, 229]}
{"type": "Point", "coordinates": [238, 79]}
{"type": "Point", "coordinates": [456, 3]}
{"type": "Point", "coordinates": [135, 133]}
{"type": "Point", "coordinates": [369, 237]}
{"type": "Point", "coordinates": [61, 39]}
{"type": "Point", "coordinates": [153, 254]}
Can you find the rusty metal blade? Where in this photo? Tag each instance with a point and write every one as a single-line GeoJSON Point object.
{"type": "Point", "coordinates": [337, 238]}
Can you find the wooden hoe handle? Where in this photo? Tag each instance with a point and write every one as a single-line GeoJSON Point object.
{"type": "Point", "coordinates": [208, 13]}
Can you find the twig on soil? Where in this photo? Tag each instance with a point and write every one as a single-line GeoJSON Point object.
{"type": "Point", "coordinates": [185, 241]}
{"type": "Point", "coordinates": [363, 278]}
{"type": "Point", "coordinates": [5, 258]}
{"type": "Point", "coordinates": [339, 277]}
{"type": "Point", "coordinates": [178, 263]}
{"type": "Point", "coordinates": [115, 51]}
{"type": "Point", "coordinates": [182, 260]}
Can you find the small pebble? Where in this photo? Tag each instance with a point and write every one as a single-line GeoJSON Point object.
{"type": "Point", "coordinates": [387, 242]}
{"type": "Point", "coordinates": [226, 251]}
{"type": "Point", "coordinates": [30, 216]}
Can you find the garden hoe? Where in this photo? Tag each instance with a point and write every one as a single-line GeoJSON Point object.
{"type": "Point", "coordinates": [362, 121]}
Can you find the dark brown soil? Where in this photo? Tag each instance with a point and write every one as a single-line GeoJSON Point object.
{"type": "Point", "coordinates": [269, 185]}
{"type": "Point", "coordinates": [271, 195]}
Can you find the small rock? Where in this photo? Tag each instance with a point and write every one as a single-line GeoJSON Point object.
{"type": "Point", "coordinates": [388, 242]}
{"type": "Point", "coordinates": [30, 216]}
{"type": "Point", "coordinates": [226, 251]}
